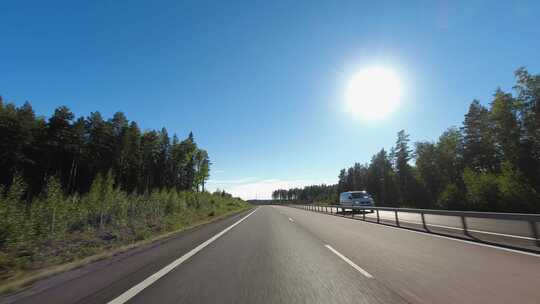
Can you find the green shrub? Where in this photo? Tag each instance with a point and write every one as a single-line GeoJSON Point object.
{"type": "Point", "coordinates": [482, 190]}
{"type": "Point", "coordinates": [452, 198]}
{"type": "Point", "coordinates": [516, 193]}
{"type": "Point", "coordinates": [55, 228]}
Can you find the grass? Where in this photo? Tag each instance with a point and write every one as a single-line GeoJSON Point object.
{"type": "Point", "coordinates": [68, 254]}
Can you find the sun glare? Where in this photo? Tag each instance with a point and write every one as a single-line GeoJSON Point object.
{"type": "Point", "coordinates": [373, 93]}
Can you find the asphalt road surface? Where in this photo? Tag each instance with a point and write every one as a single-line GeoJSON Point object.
{"type": "Point", "coordinates": [280, 254]}
{"type": "Point", "coordinates": [511, 233]}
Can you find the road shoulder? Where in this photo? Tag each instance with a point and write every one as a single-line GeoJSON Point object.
{"type": "Point", "coordinates": [75, 282]}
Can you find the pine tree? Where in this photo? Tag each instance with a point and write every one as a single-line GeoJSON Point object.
{"type": "Point", "coordinates": [479, 150]}
{"type": "Point", "coordinates": [428, 168]}
{"type": "Point", "coordinates": [381, 180]}
{"type": "Point", "coordinates": [402, 156]}
{"type": "Point", "coordinates": [528, 90]}
{"type": "Point", "coordinates": [505, 127]}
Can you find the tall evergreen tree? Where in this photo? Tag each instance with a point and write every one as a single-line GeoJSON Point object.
{"type": "Point", "coordinates": [505, 128]}
{"type": "Point", "coordinates": [381, 180]}
{"type": "Point", "coordinates": [528, 97]}
{"type": "Point", "coordinates": [479, 151]}
{"type": "Point", "coordinates": [402, 156]}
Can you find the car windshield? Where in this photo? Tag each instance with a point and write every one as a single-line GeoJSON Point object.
{"type": "Point", "coordinates": [359, 195]}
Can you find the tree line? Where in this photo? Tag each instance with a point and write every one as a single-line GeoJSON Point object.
{"type": "Point", "coordinates": [70, 188]}
{"type": "Point", "coordinates": [490, 163]}
{"type": "Point", "coordinates": [76, 150]}
{"type": "Point", "coordinates": [314, 193]}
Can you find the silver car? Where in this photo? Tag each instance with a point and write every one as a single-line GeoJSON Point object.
{"type": "Point", "coordinates": [356, 198]}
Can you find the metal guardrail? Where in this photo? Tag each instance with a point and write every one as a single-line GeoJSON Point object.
{"type": "Point", "coordinates": [533, 220]}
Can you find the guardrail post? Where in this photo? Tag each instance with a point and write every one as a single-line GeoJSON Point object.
{"type": "Point", "coordinates": [464, 223]}
{"type": "Point", "coordinates": [424, 221]}
{"type": "Point", "coordinates": [340, 210]}
{"type": "Point", "coordinates": [535, 232]}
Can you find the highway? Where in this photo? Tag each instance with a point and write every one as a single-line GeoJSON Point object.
{"type": "Point", "coordinates": [278, 254]}
{"type": "Point", "coordinates": [516, 234]}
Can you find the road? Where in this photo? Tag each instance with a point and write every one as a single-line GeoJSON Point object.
{"type": "Point", "coordinates": [279, 254]}
{"type": "Point", "coordinates": [512, 233]}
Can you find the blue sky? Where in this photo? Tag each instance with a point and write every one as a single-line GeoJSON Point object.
{"type": "Point", "coordinates": [261, 83]}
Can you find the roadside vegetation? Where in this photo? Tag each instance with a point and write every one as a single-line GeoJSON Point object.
{"type": "Point", "coordinates": [490, 163]}
{"type": "Point", "coordinates": [72, 188]}
{"type": "Point", "coordinates": [55, 228]}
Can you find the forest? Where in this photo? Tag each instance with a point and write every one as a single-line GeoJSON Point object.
{"type": "Point", "coordinates": [490, 163]}
{"type": "Point", "coordinates": [73, 187]}
{"type": "Point", "coordinates": [76, 150]}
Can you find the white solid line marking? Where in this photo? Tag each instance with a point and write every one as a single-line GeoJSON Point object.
{"type": "Point", "coordinates": [362, 271]}
{"type": "Point", "coordinates": [133, 291]}
{"type": "Point", "coordinates": [455, 239]}
{"type": "Point", "coordinates": [290, 219]}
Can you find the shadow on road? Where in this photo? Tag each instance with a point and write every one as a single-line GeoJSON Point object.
{"type": "Point", "coordinates": [463, 232]}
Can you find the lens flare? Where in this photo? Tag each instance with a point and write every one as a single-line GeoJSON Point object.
{"type": "Point", "coordinates": [373, 93]}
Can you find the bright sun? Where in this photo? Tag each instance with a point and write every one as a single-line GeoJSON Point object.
{"type": "Point", "coordinates": [373, 93]}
